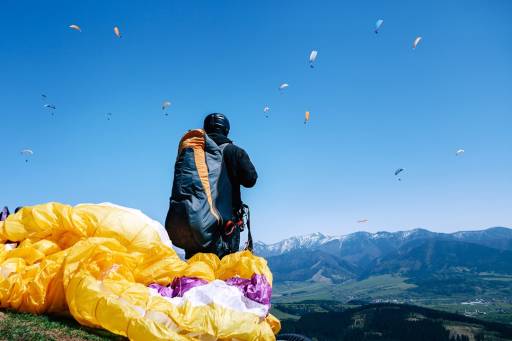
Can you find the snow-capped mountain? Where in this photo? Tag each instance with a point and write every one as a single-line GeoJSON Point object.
{"type": "Point", "coordinates": [498, 237]}
{"type": "Point", "coordinates": [311, 241]}
{"type": "Point", "coordinates": [334, 259]}
{"type": "Point", "coordinates": [334, 244]}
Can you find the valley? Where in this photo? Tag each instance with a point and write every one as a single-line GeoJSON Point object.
{"type": "Point", "coordinates": [467, 273]}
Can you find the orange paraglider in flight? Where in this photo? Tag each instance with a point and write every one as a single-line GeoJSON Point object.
{"type": "Point", "coordinates": [117, 32]}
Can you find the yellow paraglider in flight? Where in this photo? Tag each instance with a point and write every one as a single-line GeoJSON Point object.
{"type": "Point", "coordinates": [117, 32]}
{"type": "Point", "coordinates": [75, 27]}
{"type": "Point", "coordinates": [306, 117]}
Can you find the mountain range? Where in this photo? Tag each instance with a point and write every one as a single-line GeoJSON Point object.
{"type": "Point", "coordinates": [417, 253]}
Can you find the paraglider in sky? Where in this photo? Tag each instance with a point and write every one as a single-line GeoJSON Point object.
{"type": "Point", "coordinates": [283, 87]}
{"type": "Point", "coordinates": [416, 42]}
{"type": "Point", "coordinates": [165, 106]}
{"type": "Point", "coordinates": [378, 24]}
{"type": "Point", "coordinates": [306, 117]}
{"type": "Point", "coordinates": [312, 58]}
{"type": "Point", "coordinates": [75, 27]}
{"type": "Point", "coordinates": [27, 153]}
{"type": "Point", "coordinates": [362, 221]}
{"type": "Point", "coordinates": [108, 115]}
{"type": "Point", "coordinates": [117, 32]}
{"type": "Point", "coordinates": [266, 110]}
{"type": "Point", "coordinates": [43, 96]}
{"type": "Point", "coordinates": [51, 108]}
{"type": "Point", "coordinates": [459, 152]}
{"type": "Point", "coordinates": [398, 171]}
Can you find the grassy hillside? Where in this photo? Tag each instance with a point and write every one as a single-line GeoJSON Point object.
{"type": "Point", "coordinates": [20, 326]}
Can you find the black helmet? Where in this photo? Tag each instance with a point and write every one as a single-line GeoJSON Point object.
{"type": "Point", "coordinates": [216, 123]}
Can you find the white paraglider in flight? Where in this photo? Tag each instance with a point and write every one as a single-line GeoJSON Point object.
{"type": "Point", "coordinates": [266, 110]}
{"type": "Point", "coordinates": [75, 27]}
{"type": "Point", "coordinates": [459, 152]}
{"type": "Point", "coordinates": [378, 24]}
{"type": "Point", "coordinates": [416, 42]}
{"type": "Point", "coordinates": [27, 153]}
{"type": "Point", "coordinates": [312, 58]}
{"type": "Point", "coordinates": [165, 105]}
{"type": "Point", "coordinates": [362, 221]}
{"type": "Point", "coordinates": [283, 87]}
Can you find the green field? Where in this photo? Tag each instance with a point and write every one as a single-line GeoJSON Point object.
{"type": "Point", "coordinates": [376, 287]}
{"type": "Point", "coordinates": [20, 326]}
{"type": "Point", "coordinates": [489, 303]}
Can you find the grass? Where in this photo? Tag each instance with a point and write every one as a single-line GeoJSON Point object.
{"type": "Point", "coordinates": [281, 315]}
{"type": "Point", "coordinates": [497, 307]}
{"type": "Point", "coordinates": [374, 287]}
{"type": "Point", "coordinates": [22, 326]}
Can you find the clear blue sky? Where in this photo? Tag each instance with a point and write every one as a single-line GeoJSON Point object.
{"type": "Point", "coordinates": [376, 105]}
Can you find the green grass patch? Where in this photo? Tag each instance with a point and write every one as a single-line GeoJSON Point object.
{"type": "Point", "coordinates": [22, 326]}
{"type": "Point", "coordinates": [374, 287]}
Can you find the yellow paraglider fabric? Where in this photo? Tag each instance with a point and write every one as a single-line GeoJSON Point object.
{"type": "Point", "coordinates": [96, 261]}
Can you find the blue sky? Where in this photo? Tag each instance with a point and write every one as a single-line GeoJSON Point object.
{"type": "Point", "coordinates": [376, 105]}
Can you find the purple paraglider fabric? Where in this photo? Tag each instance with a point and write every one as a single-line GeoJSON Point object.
{"type": "Point", "coordinates": [257, 288]}
{"type": "Point", "coordinates": [178, 287]}
{"type": "Point", "coordinates": [4, 213]}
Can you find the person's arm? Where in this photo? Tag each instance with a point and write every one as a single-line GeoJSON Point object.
{"type": "Point", "coordinates": [247, 175]}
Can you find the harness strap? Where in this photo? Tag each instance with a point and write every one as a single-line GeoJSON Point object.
{"type": "Point", "coordinates": [231, 226]}
{"type": "Point", "coordinates": [249, 244]}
